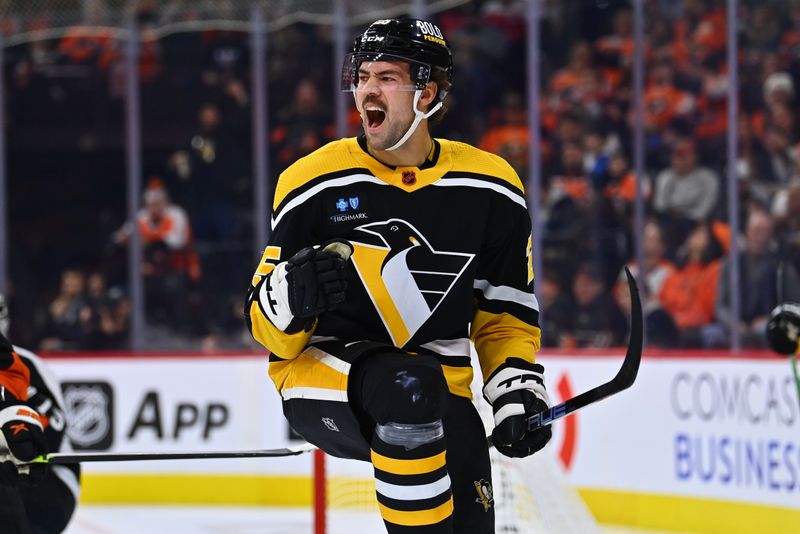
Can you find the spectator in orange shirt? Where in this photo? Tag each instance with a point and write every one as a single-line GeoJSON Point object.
{"type": "Point", "coordinates": [663, 102]}
{"type": "Point", "coordinates": [701, 24]}
{"type": "Point", "coordinates": [510, 138]}
{"type": "Point", "coordinates": [616, 50]}
{"type": "Point", "coordinates": [579, 82]}
{"type": "Point", "coordinates": [619, 184]}
{"type": "Point", "coordinates": [571, 180]}
{"type": "Point", "coordinates": [170, 266]}
{"type": "Point", "coordinates": [689, 293]}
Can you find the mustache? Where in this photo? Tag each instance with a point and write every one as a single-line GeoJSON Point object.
{"type": "Point", "coordinates": [372, 101]}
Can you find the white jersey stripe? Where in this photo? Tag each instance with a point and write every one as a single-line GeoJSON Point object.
{"type": "Point", "coordinates": [355, 178]}
{"type": "Point", "coordinates": [47, 375]}
{"type": "Point", "coordinates": [338, 395]}
{"type": "Point", "coordinates": [334, 182]}
{"type": "Point", "coordinates": [331, 361]}
{"type": "Point", "coordinates": [508, 294]}
{"type": "Point", "coordinates": [449, 347]}
{"type": "Point", "coordinates": [413, 493]}
{"type": "Point", "coordinates": [472, 182]}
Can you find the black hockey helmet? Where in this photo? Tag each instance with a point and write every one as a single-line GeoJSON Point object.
{"type": "Point", "coordinates": [783, 328]}
{"type": "Point", "coordinates": [417, 42]}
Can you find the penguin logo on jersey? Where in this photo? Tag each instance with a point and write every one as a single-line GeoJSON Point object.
{"type": "Point", "coordinates": [406, 278]}
{"type": "Point", "coordinates": [485, 493]}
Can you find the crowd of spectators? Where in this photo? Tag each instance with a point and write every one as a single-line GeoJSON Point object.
{"type": "Point", "coordinates": [196, 116]}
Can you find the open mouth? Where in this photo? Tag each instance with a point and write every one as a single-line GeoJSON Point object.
{"type": "Point", "coordinates": [375, 118]}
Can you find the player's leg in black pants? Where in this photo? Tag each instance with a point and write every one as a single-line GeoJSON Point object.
{"type": "Point", "coordinates": [427, 446]}
{"type": "Point", "coordinates": [13, 519]}
{"type": "Point", "coordinates": [49, 505]}
{"type": "Point", "coordinates": [403, 400]}
{"type": "Point", "coordinates": [469, 467]}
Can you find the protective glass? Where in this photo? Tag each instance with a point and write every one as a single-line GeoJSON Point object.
{"type": "Point", "coordinates": [420, 72]}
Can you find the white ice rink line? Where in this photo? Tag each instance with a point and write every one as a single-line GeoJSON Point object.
{"type": "Point", "coordinates": [229, 520]}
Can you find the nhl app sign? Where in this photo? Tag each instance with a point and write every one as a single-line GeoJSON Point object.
{"type": "Point", "coordinates": [170, 403]}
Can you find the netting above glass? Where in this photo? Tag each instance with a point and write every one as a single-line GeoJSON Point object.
{"type": "Point", "coordinates": [30, 20]}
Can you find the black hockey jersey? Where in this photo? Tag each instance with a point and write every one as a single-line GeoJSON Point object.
{"type": "Point", "coordinates": [442, 255]}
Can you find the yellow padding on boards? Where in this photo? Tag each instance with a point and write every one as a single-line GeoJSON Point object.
{"type": "Point", "coordinates": [102, 488]}
{"type": "Point", "coordinates": [419, 517]}
{"type": "Point", "coordinates": [408, 467]}
{"type": "Point", "coordinates": [668, 512]}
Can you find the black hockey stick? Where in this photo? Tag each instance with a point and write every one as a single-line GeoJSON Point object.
{"type": "Point", "coordinates": [623, 380]}
{"type": "Point", "coordinates": [70, 458]}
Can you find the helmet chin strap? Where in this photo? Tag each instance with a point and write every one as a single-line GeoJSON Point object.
{"type": "Point", "coordinates": [418, 116]}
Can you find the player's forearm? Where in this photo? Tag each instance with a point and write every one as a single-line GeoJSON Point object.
{"type": "Point", "coordinates": [286, 346]}
{"type": "Point", "coordinates": [499, 336]}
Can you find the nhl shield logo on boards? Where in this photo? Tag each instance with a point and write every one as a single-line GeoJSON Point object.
{"type": "Point", "coordinates": [90, 408]}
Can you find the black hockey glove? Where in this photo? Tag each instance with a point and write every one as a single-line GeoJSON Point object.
{"type": "Point", "coordinates": [309, 283]}
{"type": "Point", "coordinates": [783, 328]}
{"type": "Point", "coordinates": [516, 391]}
{"type": "Point", "coordinates": [21, 440]}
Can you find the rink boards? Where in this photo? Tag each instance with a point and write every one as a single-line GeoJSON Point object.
{"type": "Point", "coordinates": [702, 442]}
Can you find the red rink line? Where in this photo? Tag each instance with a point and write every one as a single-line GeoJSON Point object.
{"type": "Point", "coordinates": [695, 354]}
{"type": "Point", "coordinates": [590, 353]}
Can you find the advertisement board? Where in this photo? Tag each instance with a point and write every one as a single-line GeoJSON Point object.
{"type": "Point", "coordinates": [714, 439]}
{"type": "Point", "coordinates": [174, 403]}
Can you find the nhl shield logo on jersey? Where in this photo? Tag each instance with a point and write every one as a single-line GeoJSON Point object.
{"type": "Point", "coordinates": [406, 278]}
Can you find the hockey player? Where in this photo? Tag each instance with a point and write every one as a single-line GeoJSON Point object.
{"type": "Point", "coordinates": [390, 252]}
{"type": "Point", "coordinates": [783, 328]}
{"type": "Point", "coordinates": [34, 498]}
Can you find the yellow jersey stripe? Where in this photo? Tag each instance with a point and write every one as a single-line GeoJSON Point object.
{"type": "Point", "coordinates": [458, 380]}
{"type": "Point", "coordinates": [418, 517]}
{"type": "Point", "coordinates": [499, 336]}
{"type": "Point", "coordinates": [408, 467]}
{"type": "Point", "coordinates": [307, 371]}
{"type": "Point", "coordinates": [283, 345]}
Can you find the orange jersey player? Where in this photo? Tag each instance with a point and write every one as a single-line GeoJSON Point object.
{"type": "Point", "coordinates": [33, 497]}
